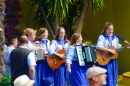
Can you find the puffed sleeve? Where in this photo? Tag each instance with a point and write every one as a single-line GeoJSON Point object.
{"type": "Point", "coordinates": [48, 47]}
{"type": "Point", "coordinates": [118, 45]}
{"type": "Point", "coordinates": [100, 41]}
{"type": "Point", "coordinates": [31, 46]}
{"type": "Point", "coordinates": [52, 47]}
{"type": "Point", "coordinates": [69, 54]}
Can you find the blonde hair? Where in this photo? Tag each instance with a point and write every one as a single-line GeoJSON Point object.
{"type": "Point", "coordinates": [40, 32]}
{"type": "Point", "coordinates": [29, 31]}
{"type": "Point", "coordinates": [107, 24]}
{"type": "Point", "coordinates": [74, 38]}
{"type": "Point", "coordinates": [58, 31]}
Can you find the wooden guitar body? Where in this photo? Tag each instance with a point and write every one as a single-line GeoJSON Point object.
{"type": "Point", "coordinates": [54, 61]}
{"type": "Point", "coordinates": [103, 58]}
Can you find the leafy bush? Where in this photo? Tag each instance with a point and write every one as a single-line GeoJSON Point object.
{"type": "Point", "coordinates": [5, 81]}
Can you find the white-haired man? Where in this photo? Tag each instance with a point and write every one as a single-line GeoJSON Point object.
{"type": "Point", "coordinates": [96, 76]}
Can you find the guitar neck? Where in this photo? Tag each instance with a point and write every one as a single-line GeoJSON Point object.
{"type": "Point", "coordinates": [120, 49]}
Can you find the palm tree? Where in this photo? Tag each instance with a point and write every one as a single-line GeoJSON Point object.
{"type": "Point", "coordinates": [60, 9]}
{"type": "Point", "coordinates": [96, 4]}
{"type": "Point", "coordinates": [49, 12]}
{"type": "Point", "coordinates": [39, 12]}
{"type": "Point", "coordinates": [2, 38]}
{"type": "Point", "coordinates": [2, 15]}
{"type": "Point", "coordinates": [67, 13]}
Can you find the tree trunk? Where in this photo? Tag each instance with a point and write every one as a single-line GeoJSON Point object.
{"type": "Point", "coordinates": [50, 29]}
{"type": "Point", "coordinates": [57, 22]}
{"type": "Point", "coordinates": [68, 29]}
{"type": "Point", "coordinates": [2, 14]}
{"type": "Point", "coordinates": [2, 37]}
{"type": "Point", "coordinates": [81, 19]}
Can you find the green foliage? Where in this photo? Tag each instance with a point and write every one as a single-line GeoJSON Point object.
{"type": "Point", "coordinates": [60, 7]}
{"type": "Point", "coordinates": [97, 4]}
{"type": "Point", "coordinates": [67, 11]}
{"type": "Point", "coordinates": [5, 81]}
{"type": "Point", "coordinates": [89, 42]}
{"type": "Point", "coordinates": [70, 15]}
{"type": "Point", "coordinates": [33, 8]}
{"type": "Point", "coordinates": [73, 16]}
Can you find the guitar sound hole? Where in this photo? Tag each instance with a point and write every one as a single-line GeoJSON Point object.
{"type": "Point", "coordinates": [102, 56]}
{"type": "Point", "coordinates": [110, 54]}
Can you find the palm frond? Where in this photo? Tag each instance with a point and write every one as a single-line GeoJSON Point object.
{"type": "Point", "coordinates": [97, 4]}
{"type": "Point", "coordinates": [60, 7]}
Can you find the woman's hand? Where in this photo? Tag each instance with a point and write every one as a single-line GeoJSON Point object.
{"type": "Point", "coordinates": [112, 51]}
{"type": "Point", "coordinates": [127, 42]}
{"type": "Point", "coordinates": [69, 69]}
{"type": "Point", "coordinates": [62, 56]}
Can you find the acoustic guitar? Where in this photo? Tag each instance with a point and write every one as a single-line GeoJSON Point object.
{"type": "Point", "coordinates": [54, 61]}
{"type": "Point", "coordinates": [103, 57]}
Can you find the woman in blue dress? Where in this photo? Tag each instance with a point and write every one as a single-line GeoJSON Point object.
{"type": "Point", "coordinates": [44, 74]}
{"type": "Point", "coordinates": [105, 40]}
{"type": "Point", "coordinates": [77, 72]}
{"type": "Point", "coordinates": [60, 42]}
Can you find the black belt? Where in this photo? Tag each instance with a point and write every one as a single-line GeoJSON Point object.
{"type": "Point", "coordinates": [41, 61]}
{"type": "Point", "coordinates": [75, 60]}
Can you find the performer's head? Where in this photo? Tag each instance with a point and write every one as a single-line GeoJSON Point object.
{"type": "Point", "coordinates": [96, 76]}
{"type": "Point", "coordinates": [76, 39]}
{"type": "Point", "coordinates": [61, 33]}
{"type": "Point", "coordinates": [30, 33]}
{"type": "Point", "coordinates": [13, 41]}
{"type": "Point", "coordinates": [43, 33]}
{"type": "Point", "coordinates": [23, 40]}
{"type": "Point", "coordinates": [108, 28]}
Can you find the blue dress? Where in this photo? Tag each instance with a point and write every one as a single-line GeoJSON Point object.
{"type": "Point", "coordinates": [44, 74]}
{"type": "Point", "coordinates": [112, 66]}
{"type": "Point", "coordinates": [78, 73]}
{"type": "Point", "coordinates": [61, 74]}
